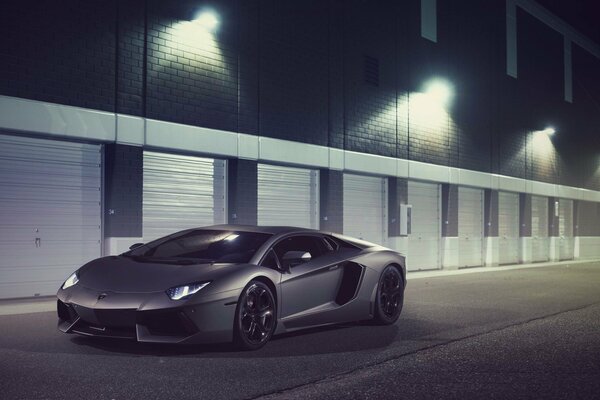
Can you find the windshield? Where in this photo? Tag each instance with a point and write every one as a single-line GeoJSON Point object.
{"type": "Point", "coordinates": [203, 246]}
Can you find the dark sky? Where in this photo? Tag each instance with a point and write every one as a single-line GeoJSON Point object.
{"type": "Point", "coordinates": [584, 15]}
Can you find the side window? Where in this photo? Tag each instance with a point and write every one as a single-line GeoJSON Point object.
{"type": "Point", "coordinates": [312, 244]}
{"type": "Point", "coordinates": [270, 261]}
{"type": "Point", "coordinates": [331, 244]}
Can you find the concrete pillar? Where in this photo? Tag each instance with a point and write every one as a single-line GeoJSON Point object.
{"type": "Point", "coordinates": [576, 241]}
{"type": "Point", "coordinates": [397, 195]}
{"type": "Point", "coordinates": [331, 201]}
{"type": "Point", "coordinates": [525, 245]}
{"type": "Point", "coordinates": [450, 250]}
{"type": "Point", "coordinates": [123, 197]}
{"type": "Point", "coordinates": [491, 241]}
{"type": "Point", "coordinates": [242, 195]}
{"type": "Point", "coordinates": [553, 225]}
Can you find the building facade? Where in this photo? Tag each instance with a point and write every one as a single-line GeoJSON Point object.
{"type": "Point", "coordinates": [425, 126]}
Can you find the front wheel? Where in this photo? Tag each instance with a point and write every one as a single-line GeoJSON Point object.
{"type": "Point", "coordinates": [255, 317]}
{"type": "Point", "coordinates": [390, 296]}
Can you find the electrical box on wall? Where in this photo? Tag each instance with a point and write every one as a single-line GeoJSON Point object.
{"type": "Point", "coordinates": [405, 219]}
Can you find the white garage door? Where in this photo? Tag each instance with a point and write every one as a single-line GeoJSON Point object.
{"type": "Point", "coordinates": [508, 227]}
{"type": "Point", "coordinates": [470, 227]}
{"type": "Point", "coordinates": [50, 213]}
{"type": "Point", "coordinates": [365, 208]}
{"type": "Point", "coordinates": [565, 230]}
{"type": "Point", "coordinates": [539, 228]}
{"type": "Point", "coordinates": [288, 196]}
{"type": "Point", "coordinates": [424, 241]}
{"type": "Point", "coordinates": [181, 192]}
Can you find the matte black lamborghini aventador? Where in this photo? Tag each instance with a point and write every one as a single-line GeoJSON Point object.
{"type": "Point", "coordinates": [232, 283]}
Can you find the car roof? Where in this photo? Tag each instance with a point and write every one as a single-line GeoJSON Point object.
{"type": "Point", "coordinates": [275, 230]}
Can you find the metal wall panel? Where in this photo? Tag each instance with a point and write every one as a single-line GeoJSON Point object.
{"type": "Point", "coordinates": [565, 229]}
{"type": "Point", "coordinates": [181, 192]}
{"type": "Point", "coordinates": [424, 241]}
{"type": "Point", "coordinates": [508, 227]}
{"type": "Point", "coordinates": [470, 227]}
{"type": "Point", "coordinates": [288, 196]}
{"type": "Point", "coordinates": [365, 208]}
{"type": "Point", "coordinates": [50, 213]}
{"type": "Point", "coordinates": [539, 229]}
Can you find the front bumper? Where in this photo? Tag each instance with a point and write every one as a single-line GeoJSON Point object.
{"type": "Point", "coordinates": [146, 317]}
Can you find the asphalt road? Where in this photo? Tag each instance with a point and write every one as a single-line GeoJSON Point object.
{"type": "Point", "coordinates": [526, 333]}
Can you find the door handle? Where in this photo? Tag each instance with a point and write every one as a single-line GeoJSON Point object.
{"type": "Point", "coordinates": [333, 267]}
{"type": "Point", "coordinates": [38, 242]}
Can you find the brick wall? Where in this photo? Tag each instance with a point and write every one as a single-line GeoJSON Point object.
{"type": "Point", "coordinates": [60, 52]}
{"type": "Point", "coordinates": [346, 74]}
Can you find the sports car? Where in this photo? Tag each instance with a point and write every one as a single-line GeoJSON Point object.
{"type": "Point", "coordinates": [233, 283]}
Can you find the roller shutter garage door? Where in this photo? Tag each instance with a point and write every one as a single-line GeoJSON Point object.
{"type": "Point", "coordinates": [50, 213]}
{"type": "Point", "coordinates": [565, 229]}
{"type": "Point", "coordinates": [424, 240]}
{"type": "Point", "coordinates": [365, 208]}
{"type": "Point", "coordinates": [181, 192]}
{"type": "Point", "coordinates": [539, 229]}
{"type": "Point", "coordinates": [470, 227]}
{"type": "Point", "coordinates": [288, 196]}
{"type": "Point", "coordinates": [508, 227]}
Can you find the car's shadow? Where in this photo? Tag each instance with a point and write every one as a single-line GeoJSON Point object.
{"type": "Point", "coordinates": [351, 337]}
{"type": "Point", "coordinates": [329, 339]}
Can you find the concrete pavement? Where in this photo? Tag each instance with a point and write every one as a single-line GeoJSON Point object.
{"type": "Point", "coordinates": [525, 332]}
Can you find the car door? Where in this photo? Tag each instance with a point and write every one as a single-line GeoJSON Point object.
{"type": "Point", "coordinates": [310, 284]}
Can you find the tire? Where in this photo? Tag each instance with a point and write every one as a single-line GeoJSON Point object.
{"type": "Point", "coordinates": [255, 317]}
{"type": "Point", "coordinates": [390, 296]}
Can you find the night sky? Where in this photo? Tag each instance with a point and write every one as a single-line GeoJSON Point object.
{"type": "Point", "coordinates": [584, 15]}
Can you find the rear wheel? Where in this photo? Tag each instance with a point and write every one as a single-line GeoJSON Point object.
{"type": "Point", "coordinates": [255, 317]}
{"type": "Point", "coordinates": [390, 296]}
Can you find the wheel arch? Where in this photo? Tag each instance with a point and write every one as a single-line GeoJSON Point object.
{"type": "Point", "coordinates": [399, 267]}
{"type": "Point", "coordinates": [272, 287]}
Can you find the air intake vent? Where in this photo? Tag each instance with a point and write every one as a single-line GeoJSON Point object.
{"type": "Point", "coordinates": [371, 71]}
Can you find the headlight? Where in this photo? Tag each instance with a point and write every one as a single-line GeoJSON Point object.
{"type": "Point", "coordinates": [72, 280]}
{"type": "Point", "coordinates": [182, 292]}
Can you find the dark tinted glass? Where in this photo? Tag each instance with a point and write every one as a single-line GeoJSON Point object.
{"type": "Point", "coordinates": [204, 246]}
{"type": "Point", "coordinates": [270, 261]}
{"type": "Point", "coordinates": [311, 244]}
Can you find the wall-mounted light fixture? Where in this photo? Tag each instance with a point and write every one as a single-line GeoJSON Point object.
{"type": "Point", "coordinates": [439, 91]}
{"type": "Point", "coordinates": [197, 35]}
{"type": "Point", "coordinates": [542, 142]}
{"type": "Point", "coordinates": [549, 131]}
{"type": "Point", "coordinates": [206, 19]}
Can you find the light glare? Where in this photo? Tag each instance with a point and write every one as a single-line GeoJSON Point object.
{"type": "Point", "coordinates": [439, 91]}
{"type": "Point", "coordinates": [549, 131]}
{"type": "Point", "coordinates": [207, 20]}
{"type": "Point", "coordinates": [71, 281]}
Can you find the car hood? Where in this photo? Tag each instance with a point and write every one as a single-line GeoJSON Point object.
{"type": "Point", "coordinates": [128, 275]}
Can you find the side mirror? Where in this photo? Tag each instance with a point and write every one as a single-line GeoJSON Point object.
{"type": "Point", "coordinates": [293, 258]}
{"type": "Point", "coordinates": [135, 246]}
